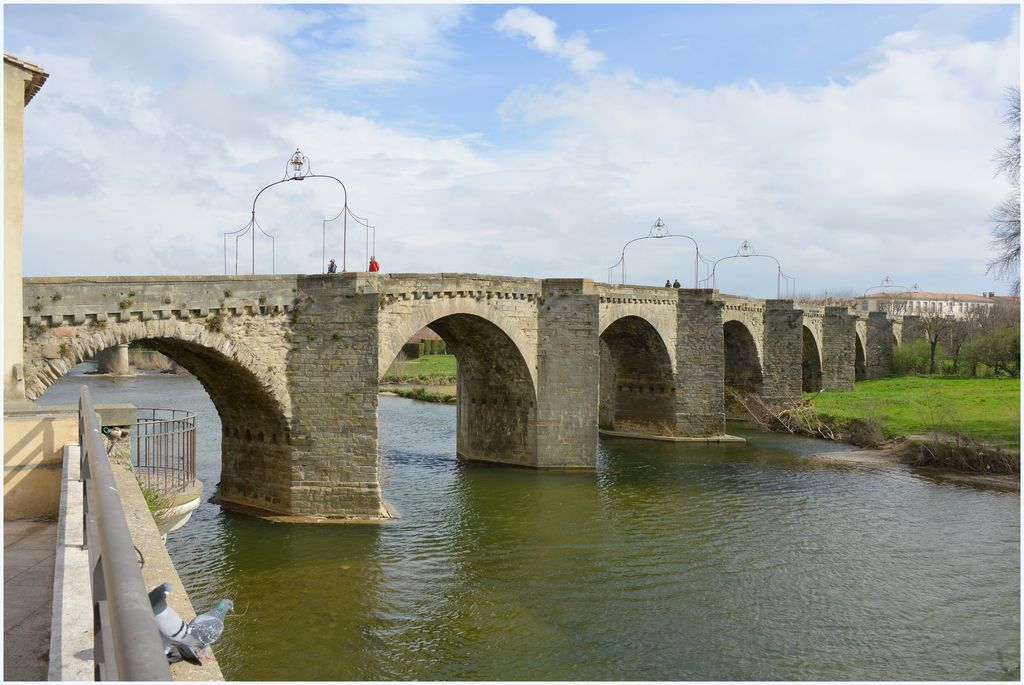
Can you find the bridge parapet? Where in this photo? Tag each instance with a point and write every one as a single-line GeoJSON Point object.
{"type": "Point", "coordinates": [54, 302]}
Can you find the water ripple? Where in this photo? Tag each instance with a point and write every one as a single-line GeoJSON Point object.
{"type": "Point", "coordinates": [672, 562]}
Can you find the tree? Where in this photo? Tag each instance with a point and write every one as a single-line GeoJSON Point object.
{"type": "Point", "coordinates": [959, 333]}
{"type": "Point", "coordinates": [1006, 233]}
{"type": "Point", "coordinates": [1001, 314]}
{"type": "Point", "coordinates": [998, 350]}
{"type": "Point", "coordinates": [934, 325]}
{"type": "Point", "coordinates": [894, 303]}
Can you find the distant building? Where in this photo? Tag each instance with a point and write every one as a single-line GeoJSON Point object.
{"type": "Point", "coordinates": [919, 303]}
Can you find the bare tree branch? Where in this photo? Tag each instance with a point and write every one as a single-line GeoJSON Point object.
{"type": "Point", "coordinates": [1006, 232]}
{"type": "Point", "coordinates": [1008, 156]}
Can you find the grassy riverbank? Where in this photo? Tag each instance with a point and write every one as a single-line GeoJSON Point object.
{"type": "Point", "coordinates": [432, 368]}
{"type": "Point", "coordinates": [985, 409]}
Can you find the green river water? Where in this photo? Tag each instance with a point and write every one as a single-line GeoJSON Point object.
{"type": "Point", "coordinates": [669, 562]}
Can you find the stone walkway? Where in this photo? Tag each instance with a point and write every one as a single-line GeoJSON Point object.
{"type": "Point", "coordinates": [29, 550]}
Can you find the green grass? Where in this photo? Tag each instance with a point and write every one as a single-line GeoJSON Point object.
{"type": "Point", "coordinates": [431, 366]}
{"type": "Point", "coordinates": [987, 409]}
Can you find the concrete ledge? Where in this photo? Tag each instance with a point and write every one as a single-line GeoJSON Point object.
{"type": "Point", "coordinates": [668, 438]}
{"type": "Point", "coordinates": [117, 414]}
{"type": "Point", "coordinates": [157, 565]}
{"type": "Point", "coordinates": [71, 639]}
{"type": "Point", "coordinates": [71, 633]}
{"type": "Point", "coordinates": [179, 508]}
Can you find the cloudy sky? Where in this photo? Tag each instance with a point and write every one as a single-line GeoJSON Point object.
{"type": "Point", "coordinates": [850, 142]}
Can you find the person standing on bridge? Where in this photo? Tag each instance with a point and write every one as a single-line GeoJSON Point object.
{"type": "Point", "coordinates": [374, 266]}
{"type": "Point", "coordinates": [675, 284]}
{"type": "Point", "coordinates": [668, 283]}
{"type": "Point", "coordinates": [332, 268]}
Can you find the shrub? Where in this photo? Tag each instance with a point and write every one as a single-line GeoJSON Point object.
{"type": "Point", "coordinates": [912, 357]}
{"type": "Point", "coordinates": [215, 323]}
{"type": "Point", "coordinates": [962, 454]}
{"type": "Point", "coordinates": [865, 432]}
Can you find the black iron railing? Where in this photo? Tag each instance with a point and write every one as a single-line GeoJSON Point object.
{"type": "Point", "coordinates": [126, 641]}
{"type": "Point", "coordinates": [164, 449]}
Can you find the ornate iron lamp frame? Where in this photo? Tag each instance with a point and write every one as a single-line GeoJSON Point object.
{"type": "Point", "coordinates": [746, 250]}
{"type": "Point", "coordinates": [300, 169]}
{"type": "Point", "coordinates": [657, 232]}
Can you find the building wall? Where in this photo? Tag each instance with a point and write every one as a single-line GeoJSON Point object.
{"type": "Point", "coordinates": [33, 459]}
{"type": "Point", "coordinates": [14, 198]}
{"type": "Point", "coordinates": [956, 305]}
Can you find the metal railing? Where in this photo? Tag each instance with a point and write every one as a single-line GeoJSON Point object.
{"type": "Point", "coordinates": [126, 641]}
{"type": "Point", "coordinates": [165, 449]}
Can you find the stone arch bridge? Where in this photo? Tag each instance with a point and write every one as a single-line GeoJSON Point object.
{"type": "Point", "coordinates": [292, 364]}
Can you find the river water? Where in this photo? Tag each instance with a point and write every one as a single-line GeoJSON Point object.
{"type": "Point", "coordinates": [670, 562]}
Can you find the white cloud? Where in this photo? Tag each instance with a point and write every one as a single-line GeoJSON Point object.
{"type": "Point", "coordinates": [888, 172]}
{"type": "Point", "coordinates": [543, 36]}
{"type": "Point", "coordinates": [388, 44]}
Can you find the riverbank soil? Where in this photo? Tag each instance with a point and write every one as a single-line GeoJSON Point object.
{"type": "Point", "coordinates": [889, 456]}
{"type": "Point", "coordinates": [985, 409]}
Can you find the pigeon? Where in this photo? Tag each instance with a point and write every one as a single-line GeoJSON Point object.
{"type": "Point", "coordinates": [172, 628]}
{"type": "Point", "coordinates": [206, 628]}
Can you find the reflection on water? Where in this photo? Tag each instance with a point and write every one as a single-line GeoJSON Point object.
{"type": "Point", "coordinates": [679, 562]}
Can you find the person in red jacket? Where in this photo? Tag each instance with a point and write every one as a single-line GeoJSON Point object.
{"type": "Point", "coordinates": [374, 266]}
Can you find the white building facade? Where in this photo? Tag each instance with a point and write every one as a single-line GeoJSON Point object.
{"type": "Point", "coordinates": [919, 303]}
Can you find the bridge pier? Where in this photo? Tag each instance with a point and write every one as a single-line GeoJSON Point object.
{"type": "Point", "coordinates": [878, 362]}
{"type": "Point", "coordinates": [332, 378]}
{"type": "Point", "coordinates": [114, 361]}
{"type": "Point", "coordinates": [911, 328]}
{"type": "Point", "coordinates": [700, 364]}
{"type": "Point", "coordinates": [322, 461]}
{"type": "Point", "coordinates": [783, 353]}
{"type": "Point", "coordinates": [568, 359]}
{"type": "Point", "coordinates": [839, 349]}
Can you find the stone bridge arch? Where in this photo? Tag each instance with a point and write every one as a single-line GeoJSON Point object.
{"type": "Point", "coordinates": [496, 412]}
{"type": "Point", "coordinates": [743, 366]}
{"type": "Point", "coordinates": [657, 311]}
{"type": "Point", "coordinates": [397, 324]}
{"type": "Point", "coordinates": [249, 394]}
{"type": "Point", "coordinates": [860, 361]}
{"type": "Point", "coordinates": [637, 383]}
{"type": "Point", "coordinates": [811, 360]}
